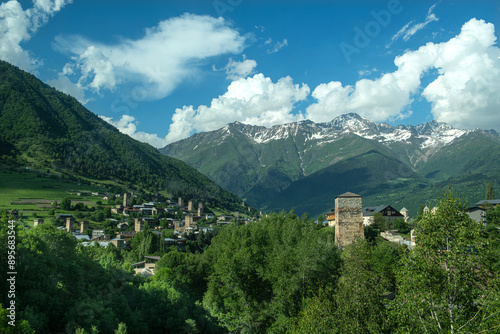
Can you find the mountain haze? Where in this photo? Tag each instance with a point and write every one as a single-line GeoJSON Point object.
{"type": "Point", "coordinates": [43, 128]}
{"type": "Point", "coordinates": [303, 165]}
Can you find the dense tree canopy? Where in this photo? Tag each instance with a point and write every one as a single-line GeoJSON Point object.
{"type": "Point", "coordinates": [282, 274]}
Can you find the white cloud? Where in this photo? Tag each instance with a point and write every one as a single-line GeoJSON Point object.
{"type": "Point", "coordinates": [275, 47]}
{"type": "Point", "coordinates": [236, 70]}
{"type": "Point", "coordinates": [465, 93]}
{"type": "Point", "coordinates": [411, 28]}
{"type": "Point", "coordinates": [63, 84]}
{"type": "Point", "coordinates": [18, 25]}
{"type": "Point", "coordinates": [128, 125]}
{"type": "Point", "coordinates": [167, 55]}
{"type": "Point", "coordinates": [96, 70]}
{"type": "Point", "coordinates": [254, 100]}
{"type": "Point", "coordinates": [367, 72]}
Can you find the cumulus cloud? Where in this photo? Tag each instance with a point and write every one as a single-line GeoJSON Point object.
{"type": "Point", "coordinates": [128, 125]}
{"type": "Point", "coordinates": [18, 25]}
{"type": "Point", "coordinates": [255, 100]}
{"type": "Point", "coordinates": [240, 69]}
{"type": "Point", "coordinates": [166, 55]}
{"type": "Point", "coordinates": [464, 94]}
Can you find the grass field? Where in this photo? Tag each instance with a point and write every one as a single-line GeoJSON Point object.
{"type": "Point", "coordinates": [31, 192]}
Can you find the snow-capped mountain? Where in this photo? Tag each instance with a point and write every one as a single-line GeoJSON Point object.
{"type": "Point", "coordinates": [259, 163]}
{"type": "Point", "coordinates": [428, 135]}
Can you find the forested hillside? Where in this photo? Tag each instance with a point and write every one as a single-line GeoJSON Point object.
{"type": "Point", "coordinates": [46, 129]}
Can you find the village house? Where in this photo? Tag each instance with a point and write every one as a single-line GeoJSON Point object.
{"type": "Point", "coordinates": [387, 211]}
{"type": "Point", "coordinates": [485, 203]}
{"type": "Point", "coordinates": [477, 214]}
{"type": "Point", "coordinates": [147, 267]}
{"type": "Point", "coordinates": [330, 218]}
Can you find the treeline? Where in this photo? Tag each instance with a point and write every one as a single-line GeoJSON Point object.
{"type": "Point", "coordinates": [283, 274]}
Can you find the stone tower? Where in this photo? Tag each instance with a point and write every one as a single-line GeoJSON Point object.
{"type": "Point", "coordinates": [180, 202]}
{"type": "Point", "coordinates": [188, 221]}
{"type": "Point", "coordinates": [200, 209]}
{"type": "Point", "coordinates": [139, 225]}
{"type": "Point", "coordinates": [70, 224]}
{"type": "Point", "coordinates": [405, 213]}
{"type": "Point", "coordinates": [348, 219]}
{"type": "Point", "coordinates": [37, 222]}
{"type": "Point", "coordinates": [84, 226]}
{"type": "Point", "coordinates": [190, 205]}
{"type": "Point", "coordinates": [126, 200]}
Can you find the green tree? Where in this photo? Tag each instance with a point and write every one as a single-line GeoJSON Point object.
{"type": "Point", "coordinates": [359, 293]}
{"type": "Point", "coordinates": [401, 226]}
{"type": "Point", "coordinates": [66, 204]}
{"type": "Point", "coordinates": [20, 326]}
{"type": "Point", "coordinates": [445, 283]}
{"type": "Point", "coordinates": [317, 316]}
{"type": "Point", "coordinates": [490, 192]}
{"type": "Point", "coordinates": [263, 272]}
{"type": "Point", "coordinates": [122, 328]}
{"type": "Point", "coordinates": [379, 222]}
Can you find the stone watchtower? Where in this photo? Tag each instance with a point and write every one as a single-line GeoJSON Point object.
{"type": "Point", "coordinates": [70, 224]}
{"type": "Point", "coordinates": [348, 219]}
{"type": "Point", "coordinates": [37, 222]}
{"type": "Point", "coordinates": [138, 225]}
{"type": "Point", "coordinates": [126, 200]}
{"type": "Point", "coordinates": [84, 226]}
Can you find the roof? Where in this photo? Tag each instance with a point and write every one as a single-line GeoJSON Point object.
{"type": "Point", "coordinates": [474, 208]}
{"type": "Point", "coordinates": [370, 210]}
{"type": "Point", "coordinates": [491, 201]}
{"type": "Point", "coordinates": [81, 236]}
{"type": "Point", "coordinates": [139, 263]}
{"type": "Point", "coordinates": [348, 194]}
{"type": "Point", "coordinates": [157, 258]}
{"type": "Point", "coordinates": [101, 243]}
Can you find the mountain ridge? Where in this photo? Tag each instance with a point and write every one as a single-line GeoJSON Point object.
{"type": "Point", "coordinates": [259, 163]}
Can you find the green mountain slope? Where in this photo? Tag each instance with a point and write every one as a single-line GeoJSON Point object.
{"type": "Point", "coordinates": [475, 152]}
{"type": "Point", "coordinates": [43, 128]}
{"type": "Point", "coordinates": [367, 174]}
{"type": "Point", "coordinates": [259, 171]}
{"type": "Point", "coordinates": [283, 167]}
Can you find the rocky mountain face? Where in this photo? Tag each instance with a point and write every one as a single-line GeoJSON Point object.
{"type": "Point", "coordinates": [261, 164]}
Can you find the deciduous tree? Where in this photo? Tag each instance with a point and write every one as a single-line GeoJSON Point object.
{"type": "Point", "coordinates": [445, 284]}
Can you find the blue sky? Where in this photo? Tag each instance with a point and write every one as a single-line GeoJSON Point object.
{"type": "Point", "coordinates": [163, 70]}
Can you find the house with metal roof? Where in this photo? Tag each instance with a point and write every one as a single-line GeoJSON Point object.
{"type": "Point", "coordinates": [388, 212]}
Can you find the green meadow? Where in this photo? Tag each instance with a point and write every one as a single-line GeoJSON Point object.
{"type": "Point", "coordinates": [33, 192]}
